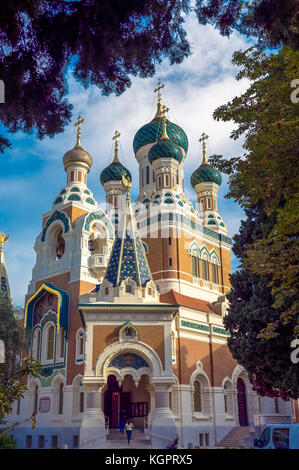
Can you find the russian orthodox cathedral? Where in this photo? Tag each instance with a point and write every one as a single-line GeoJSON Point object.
{"type": "Point", "coordinates": [125, 307]}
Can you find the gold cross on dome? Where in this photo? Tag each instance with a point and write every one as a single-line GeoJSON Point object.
{"type": "Point", "coordinates": [115, 138]}
{"type": "Point", "coordinates": [78, 123]}
{"type": "Point", "coordinates": [158, 89]}
{"type": "Point", "coordinates": [203, 140]}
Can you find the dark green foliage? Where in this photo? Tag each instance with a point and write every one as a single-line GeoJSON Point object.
{"type": "Point", "coordinates": [267, 361]}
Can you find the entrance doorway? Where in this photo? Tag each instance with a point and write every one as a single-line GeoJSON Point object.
{"type": "Point", "coordinates": [135, 401]}
{"type": "Point", "coordinates": [115, 399]}
{"type": "Point", "coordinates": [242, 405]}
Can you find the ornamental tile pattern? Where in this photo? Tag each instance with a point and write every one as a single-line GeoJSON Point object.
{"type": "Point", "coordinates": [128, 360]}
{"type": "Point", "coordinates": [114, 172]}
{"type": "Point", "coordinates": [57, 215]}
{"type": "Point", "coordinates": [206, 174]}
{"type": "Point", "coordinates": [152, 132]}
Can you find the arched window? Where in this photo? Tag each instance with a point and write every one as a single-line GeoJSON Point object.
{"type": "Point", "coordinates": [78, 396]}
{"type": "Point", "coordinates": [60, 345]}
{"type": "Point", "coordinates": [35, 398]}
{"type": "Point", "coordinates": [205, 269]}
{"type": "Point", "coordinates": [60, 399]}
{"type": "Point", "coordinates": [195, 266]}
{"type": "Point", "coordinates": [201, 396]}
{"type": "Point", "coordinates": [215, 277]}
{"type": "Point", "coordinates": [50, 343]}
{"type": "Point", "coordinates": [36, 344]}
{"type": "Point", "coordinates": [80, 346]}
{"type": "Point", "coordinates": [228, 398]}
{"type": "Point", "coordinates": [197, 397]}
{"type": "Point", "coordinates": [60, 245]}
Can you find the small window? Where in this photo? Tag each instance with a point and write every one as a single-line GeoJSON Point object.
{"type": "Point", "coordinates": [209, 205]}
{"type": "Point", "coordinates": [276, 406]}
{"type": "Point", "coordinates": [79, 176]}
{"type": "Point", "coordinates": [28, 441]}
{"type": "Point", "coordinates": [41, 442]}
{"type": "Point", "coordinates": [159, 181]}
{"type": "Point", "coordinates": [75, 442]}
{"type": "Point", "coordinates": [72, 176]}
{"type": "Point", "coordinates": [169, 241]}
{"type": "Point", "coordinates": [170, 261]}
{"type": "Point", "coordinates": [167, 181]}
{"type": "Point", "coordinates": [129, 289]}
{"type": "Point", "coordinates": [205, 270]}
{"type": "Point", "coordinates": [35, 401]}
{"type": "Point", "coordinates": [195, 268]}
{"type": "Point", "coordinates": [177, 177]}
{"type": "Point", "coordinates": [106, 290]}
{"type": "Point", "coordinates": [201, 441]}
{"type": "Point", "coordinates": [225, 404]}
{"type": "Point", "coordinates": [60, 403]}
{"type": "Point", "coordinates": [147, 173]}
{"type": "Point", "coordinates": [81, 402]}
{"type": "Point", "coordinates": [50, 343]}
{"type": "Point", "coordinates": [54, 442]}
{"type": "Point", "coordinates": [215, 278]}
{"type": "Point", "coordinates": [197, 396]}
{"type": "Point", "coordinates": [207, 439]}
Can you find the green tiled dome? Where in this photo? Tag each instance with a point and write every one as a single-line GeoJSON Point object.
{"type": "Point", "coordinates": [206, 174]}
{"type": "Point", "coordinates": [165, 149]}
{"type": "Point", "coordinates": [152, 132]}
{"type": "Point", "coordinates": [114, 172]}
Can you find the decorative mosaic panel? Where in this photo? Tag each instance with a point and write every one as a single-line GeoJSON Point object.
{"type": "Point", "coordinates": [103, 218]}
{"type": "Point", "coordinates": [221, 331]}
{"type": "Point", "coordinates": [57, 215]}
{"type": "Point", "coordinates": [128, 360]}
{"type": "Point", "coordinates": [195, 326]}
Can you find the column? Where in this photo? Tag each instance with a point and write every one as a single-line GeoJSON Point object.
{"type": "Point", "coordinates": [93, 431]}
{"type": "Point", "coordinates": [163, 427]}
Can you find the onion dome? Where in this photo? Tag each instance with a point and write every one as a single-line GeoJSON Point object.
{"type": "Point", "coordinates": [205, 173]}
{"type": "Point", "coordinates": [77, 154]}
{"type": "Point", "coordinates": [165, 148]}
{"type": "Point", "coordinates": [115, 171]}
{"type": "Point", "coordinates": [152, 132]}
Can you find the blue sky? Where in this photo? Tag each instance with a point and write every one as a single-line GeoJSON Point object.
{"type": "Point", "coordinates": [32, 172]}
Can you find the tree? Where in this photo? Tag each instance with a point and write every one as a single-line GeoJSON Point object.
{"type": "Point", "coordinates": [267, 361]}
{"type": "Point", "coordinates": [103, 43]}
{"type": "Point", "coordinates": [272, 22]}
{"type": "Point", "coordinates": [266, 174]}
{"type": "Point", "coordinates": [15, 370]}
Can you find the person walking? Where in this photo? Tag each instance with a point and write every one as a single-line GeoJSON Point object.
{"type": "Point", "coordinates": [122, 420]}
{"type": "Point", "coordinates": [129, 428]}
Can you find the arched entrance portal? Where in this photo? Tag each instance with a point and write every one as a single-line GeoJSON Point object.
{"type": "Point", "coordinates": [135, 401]}
{"type": "Point", "coordinates": [242, 405]}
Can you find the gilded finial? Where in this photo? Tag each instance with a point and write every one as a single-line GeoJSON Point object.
{"type": "Point", "coordinates": [115, 138]}
{"type": "Point", "coordinates": [127, 183]}
{"type": "Point", "coordinates": [202, 140]}
{"type": "Point", "coordinates": [157, 90]}
{"type": "Point", "coordinates": [3, 240]}
{"type": "Point", "coordinates": [78, 123]}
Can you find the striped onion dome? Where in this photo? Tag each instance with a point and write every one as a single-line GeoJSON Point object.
{"type": "Point", "coordinates": [206, 174]}
{"type": "Point", "coordinates": [114, 172]}
{"type": "Point", "coordinates": [152, 132]}
{"type": "Point", "coordinates": [165, 148]}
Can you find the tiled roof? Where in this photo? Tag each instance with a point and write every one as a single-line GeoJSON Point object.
{"type": "Point", "coordinates": [173, 297]}
{"type": "Point", "coordinates": [128, 258]}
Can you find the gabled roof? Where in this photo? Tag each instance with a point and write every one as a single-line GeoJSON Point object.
{"type": "Point", "coordinates": [173, 297]}
{"type": "Point", "coordinates": [128, 258]}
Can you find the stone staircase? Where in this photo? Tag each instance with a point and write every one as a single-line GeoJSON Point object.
{"type": "Point", "coordinates": [241, 436]}
{"type": "Point", "coordinates": [118, 440]}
